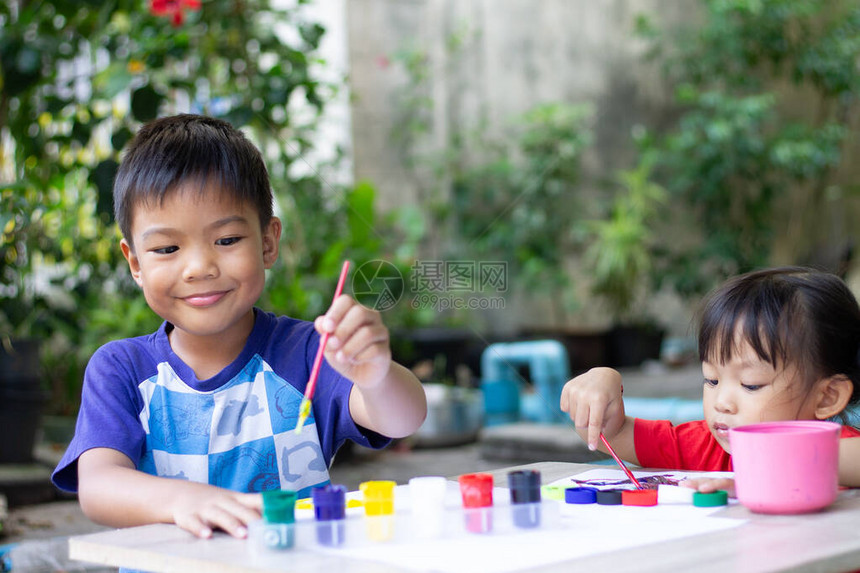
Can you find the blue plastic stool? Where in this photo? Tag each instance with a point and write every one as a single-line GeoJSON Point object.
{"type": "Point", "coordinates": [676, 410]}
{"type": "Point", "coordinates": [504, 400]}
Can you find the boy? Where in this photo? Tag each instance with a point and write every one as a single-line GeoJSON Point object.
{"type": "Point", "coordinates": [212, 397]}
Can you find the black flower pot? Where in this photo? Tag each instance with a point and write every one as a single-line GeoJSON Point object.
{"type": "Point", "coordinates": [632, 345]}
{"type": "Point", "coordinates": [22, 399]}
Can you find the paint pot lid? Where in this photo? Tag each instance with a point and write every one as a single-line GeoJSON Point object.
{"type": "Point", "coordinates": [329, 502]}
{"type": "Point", "coordinates": [524, 486]}
{"type": "Point", "coordinates": [677, 494]}
{"type": "Point", "coordinates": [378, 497]}
{"type": "Point", "coordinates": [710, 499]}
{"type": "Point", "coordinates": [609, 497]}
{"type": "Point", "coordinates": [640, 497]}
{"type": "Point", "coordinates": [427, 489]}
{"type": "Point", "coordinates": [476, 490]}
{"type": "Point", "coordinates": [580, 495]}
{"type": "Point", "coordinates": [555, 492]}
{"type": "Point", "coordinates": [279, 506]}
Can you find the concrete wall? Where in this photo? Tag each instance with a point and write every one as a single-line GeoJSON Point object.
{"type": "Point", "coordinates": [514, 55]}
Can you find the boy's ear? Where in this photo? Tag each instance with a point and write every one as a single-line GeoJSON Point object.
{"type": "Point", "coordinates": [271, 241]}
{"type": "Point", "coordinates": [133, 262]}
{"type": "Point", "coordinates": [834, 393]}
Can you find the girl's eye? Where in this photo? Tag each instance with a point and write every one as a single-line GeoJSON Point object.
{"type": "Point", "coordinates": [710, 382]}
{"type": "Point", "coordinates": [227, 241]}
{"type": "Point", "coordinates": [752, 387]}
{"type": "Point", "coordinates": [165, 250]}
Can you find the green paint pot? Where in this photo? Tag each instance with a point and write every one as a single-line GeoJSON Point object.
{"type": "Point", "coordinates": [279, 506]}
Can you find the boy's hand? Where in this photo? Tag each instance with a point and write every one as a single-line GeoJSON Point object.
{"type": "Point", "coordinates": [594, 402]}
{"type": "Point", "coordinates": [202, 510]}
{"type": "Point", "coordinates": [113, 492]}
{"type": "Point", "coordinates": [358, 346]}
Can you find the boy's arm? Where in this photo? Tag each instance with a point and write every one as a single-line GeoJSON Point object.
{"type": "Point", "coordinates": [395, 407]}
{"type": "Point", "coordinates": [386, 397]}
{"type": "Point", "coordinates": [593, 401]}
{"type": "Point", "coordinates": [113, 492]}
{"type": "Point", "coordinates": [849, 462]}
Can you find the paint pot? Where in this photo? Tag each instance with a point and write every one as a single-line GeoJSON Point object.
{"type": "Point", "coordinates": [477, 493]}
{"type": "Point", "coordinates": [276, 531]}
{"type": "Point", "coordinates": [711, 499]}
{"type": "Point", "coordinates": [786, 467]}
{"type": "Point", "coordinates": [553, 492]}
{"type": "Point", "coordinates": [583, 495]}
{"type": "Point", "coordinates": [378, 509]}
{"type": "Point", "coordinates": [427, 498]}
{"type": "Point", "coordinates": [524, 486]}
{"type": "Point", "coordinates": [609, 497]}
{"type": "Point", "coordinates": [639, 497]}
{"type": "Point", "coordinates": [330, 513]}
{"type": "Point", "coordinates": [674, 494]}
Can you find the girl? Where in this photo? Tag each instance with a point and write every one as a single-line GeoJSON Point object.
{"type": "Point", "coordinates": [776, 344]}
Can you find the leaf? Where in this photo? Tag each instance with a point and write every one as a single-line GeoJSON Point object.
{"type": "Point", "coordinates": [145, 102]}
{"type": "Point", "coordinates": [360, 214]}
{"type": "Point", "coordinates": [103, 177]}
{"type": "Point", "coordinates": [113, 80]}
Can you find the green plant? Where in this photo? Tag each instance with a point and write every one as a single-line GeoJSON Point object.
{"type": "Point", "coordinates": [320, 232]}
{"type": "Point", "coordinates": [495, 196]}
{"type": "Point", "coordinates": [76, 80]}
{"type": "Point", "coordinates": [618, 256]}
{"type": "Point", "coordinates": [755, 165]}
{"type": "Point", "coordinates": [516, 203]}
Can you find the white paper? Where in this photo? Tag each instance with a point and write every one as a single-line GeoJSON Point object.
{"type": "Point", "coordinates": [567, 532]}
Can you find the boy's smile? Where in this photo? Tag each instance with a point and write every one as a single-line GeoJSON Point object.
{"type": "Point", "coordinates": [201, 263]}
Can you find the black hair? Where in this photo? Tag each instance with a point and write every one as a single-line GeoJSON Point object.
{"type": "Point", "coordinates": [172, 151]}
{"type": "Point", "coordinates": [788, 315]}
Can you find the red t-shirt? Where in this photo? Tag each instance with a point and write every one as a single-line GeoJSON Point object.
{"type": "Point", "coordinates": [687, 446]}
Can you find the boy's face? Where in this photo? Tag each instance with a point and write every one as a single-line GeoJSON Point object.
{"type": "Point", "coordinates": [200, 259]}
{"type": "Point", "coordinates": [748, 390]}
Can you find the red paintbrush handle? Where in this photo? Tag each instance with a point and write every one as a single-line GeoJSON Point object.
{"type": "Point", "coordinates": [620, 463]}
{"type": "Point", "coordinates": [315, 370]}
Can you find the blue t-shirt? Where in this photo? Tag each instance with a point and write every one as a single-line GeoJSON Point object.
{"type": "Point", "coordinates": [235, 430]}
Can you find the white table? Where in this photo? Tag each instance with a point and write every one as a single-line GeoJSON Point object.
{"type": "Point", "coordinates": [828, 541]}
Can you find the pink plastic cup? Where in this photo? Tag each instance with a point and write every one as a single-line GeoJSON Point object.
{"type": "Point", "coordinates": [786, 467]}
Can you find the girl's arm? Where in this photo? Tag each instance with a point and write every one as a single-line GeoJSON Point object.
{"type": "Point", "coordinates": [593, 401]}
{"type": "Point", "coordinates": [708, 485]}
{"type": "Point", "coordinates": [113, 492]}
{"type": "Point", "coordinates": [849, 462]}
{"type": "Point", "coordinates": [849, 470]}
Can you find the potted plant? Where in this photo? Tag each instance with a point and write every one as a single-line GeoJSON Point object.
{"type": "Point", "coordinates": [62, 277]}
{"type": "Point", "coordinates": [23, 321]}
{"type": "Point", "coordinates": [619, 261]}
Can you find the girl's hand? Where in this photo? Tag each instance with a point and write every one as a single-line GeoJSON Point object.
{"type": "Point", "coordinates": [709, 485]}
{"type": "Point", "coordinates": [201, 510]}
{"type": "Point", "coordinates": [594, 403]}
{"type": "Point", "coordinates": [358, 346]}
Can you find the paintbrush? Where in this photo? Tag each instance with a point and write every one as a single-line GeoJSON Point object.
{"type": "Point", "coordinates": [620, 462]}
{"type": "Point", "coordinates": [305, 406]}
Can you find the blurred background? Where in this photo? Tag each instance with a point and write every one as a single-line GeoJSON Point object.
{"type": "Point", "coordinates": [526, 188]}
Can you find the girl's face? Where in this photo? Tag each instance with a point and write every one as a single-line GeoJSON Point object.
{"type": "Point", "coordinates": [748, 390]}
{"type": "Point", "coordinates": [200, 260]}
